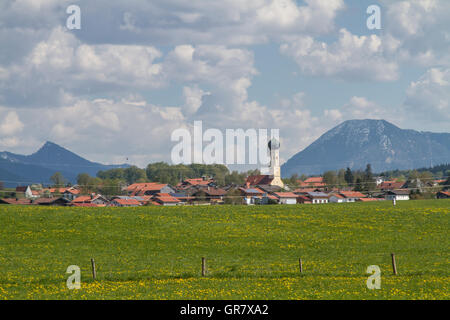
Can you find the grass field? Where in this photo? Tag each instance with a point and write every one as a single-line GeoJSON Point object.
{"type": "Point", "coordinates": [252, 252]}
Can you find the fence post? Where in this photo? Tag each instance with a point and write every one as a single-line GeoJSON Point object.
{"type": "Point", "coordinates": [394, 265]}
{"type": "Point", "coordinates": [203, 267]}
{"type": "Point", "coordinates": [94, 273]}
{"type": "Point", "coordinates": [300, 263]}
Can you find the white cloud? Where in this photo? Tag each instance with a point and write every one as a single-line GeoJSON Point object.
{"type": "Point", "coordinates": [421, 26]}
{"type": "Point", "coordinates": [10, 123]}
{"type": "Point", "coordinates": [351, 57]}
{"type": "Point", "coordinates": [428, 98]}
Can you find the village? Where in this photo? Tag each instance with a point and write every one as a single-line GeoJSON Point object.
{"type": "Point", "coordinates": [258, 190]}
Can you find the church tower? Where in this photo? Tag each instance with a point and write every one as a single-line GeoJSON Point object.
{"type": "Point", "coordinates": [274, 170]}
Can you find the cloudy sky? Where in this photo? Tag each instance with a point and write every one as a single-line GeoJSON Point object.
{"type": "Point", "coordinates": [137, 70]}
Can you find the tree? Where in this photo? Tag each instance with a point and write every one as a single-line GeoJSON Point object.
{"type": "Point", "coordinates": [349, 178]}
{"type": "Point", "coordinates": [58, 180]}
{"type": "Point", "coordinates": [2, 186]}
{"type": "Point", "coordinates": [369, 182]}
{"type": "Point", "coordinates": [293, 180]}
{"type": "Point", "coordinates": [83, 179]}
{"type": "Point", "coordinates": [134, 174]}
{"type": "Point", "coordinates": [330, 178]}
{"type": "Point", "coordinates": [358, 184]}
{"type": "Point", "coordinates": [341, 178]}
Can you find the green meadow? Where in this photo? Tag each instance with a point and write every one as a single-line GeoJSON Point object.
{"type": "Point", "coordinates": [252, 252]}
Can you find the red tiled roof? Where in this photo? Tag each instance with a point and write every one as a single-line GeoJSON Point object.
{"type": "Point", "coordinates": [72, 191]}
{"type": "Point", "coordinates": [143, 188]}
{"type": "Point", "coordinates": [314, 180]}
{"type": "Point", "coordinates": [16, 201]}
{"type": "Point", "coordinates": [198, 181]}
{"type": "Point", "coordinates": [352, 194]}
{"type": "Point", "coordinates": [82, 199]}
{"type": "Point", "coordinates": [57, 190]}
{"type": "Point", "coordinates": [390, 185]}
{"type": "Point", "coordinates": [259, 179]}
{"type": "Point", "coordinates": [166, 198]}
{"type": "Point", "coordinates": [133, 186]}
{"type": "Point", "coordinates": [337, 195]}
{"type": "Point", "coordinates": [215, 192]}
{"type": "Point", "coordinates": [84, 205]}
{"type": "Point", "coordinates": [304, 190]}
{"type": "Point", "coordinates": [127, 202]}
{"type": "Point", "coordinates": [286, 195]}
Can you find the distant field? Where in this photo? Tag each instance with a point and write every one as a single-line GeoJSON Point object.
{"type": "Point", "coordinates": [252, 252]}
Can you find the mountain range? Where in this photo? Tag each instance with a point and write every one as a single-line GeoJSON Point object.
{"type": "Point", "coordinates": [353, 144]}
{"type": "Point", "coordinates": [356, 143]}
{"type": "Point", "coordinates": [16, 169]}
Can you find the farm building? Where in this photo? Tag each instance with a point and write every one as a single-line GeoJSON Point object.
{"type": "Point", "coordinates": [397, 195]}
{"type": "Point", "coordinates": [318, 197]}
{"type": "Point", "coordinates": [286, 197]}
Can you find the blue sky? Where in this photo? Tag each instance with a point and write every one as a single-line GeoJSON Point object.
{"type": "Point", "coordinates": [138, 70]}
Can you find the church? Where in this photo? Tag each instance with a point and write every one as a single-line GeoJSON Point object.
{"type": "Point", "coordinates": [274, 176]}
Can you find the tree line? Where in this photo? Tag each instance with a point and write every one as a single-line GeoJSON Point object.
{"type": "Point", "coordinates": [112, 182]}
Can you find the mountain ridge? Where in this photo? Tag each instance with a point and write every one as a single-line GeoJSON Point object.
{"type": "Point", "coordinates": [355, 143]}
{"type": "Point", "coordinates": [39, 166]}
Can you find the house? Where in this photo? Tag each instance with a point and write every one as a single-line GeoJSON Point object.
{"type": "Point", "coordinates": [148, 189]}
{"type": "Point", "coordinates": [303, 199]}
{"type": "Point", "coordinates": [98, 200]}
{"type": "Point", "coordinates": [15, 201]}
{"type": "Point", "coordinates": [52, 201]}
{"type": "Point", "coordinates": [269, 198]}
{"type": "Point", "coordinates": [268, 188]}
{"type": "Point", "coordinates": [166, 199]}
{"type": "Point", "coordinates": [379, 180]}
{"type": "Point", "coordinates": [28, 193]}
{"type": "Point", "coordinates": [318, 197]}
{"type": "Point", "coordinates": [259, 180]}
{"type": "Point", "coordinates": [127, 202]}
{"type": "Point", "coordinates": [213, 195]}
{"type": "Point", "coordinates": [316, 182]}
{"type": "Point", "coordinates": [142, 200]}
{"type": "Point", "coordinates": [203, 182]}
{"type": "Point", "coordinates": [443, 195]}
{"type": "Point", "coordinates": [336, 198]}
{"type": "Point", "coordinates": [352, 196]}
{"type": "Point", "coordinates": [286, 197]}
{"type": "Point", "coordinates": [397, 195]}
{"type": "Point", "coordinates": [183, 197]}
{"type": "Point", "coordinates": [70, 193]}
{"type": "Point", "coordinates": [304, 191]}
{"type": "Point", "coordinates": [251, 195]}
{"type": "Point", "coordinates": [390, 185]}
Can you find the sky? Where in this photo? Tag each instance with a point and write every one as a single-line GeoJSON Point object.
{"type": "Point", "coordinates": [114, 90]}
